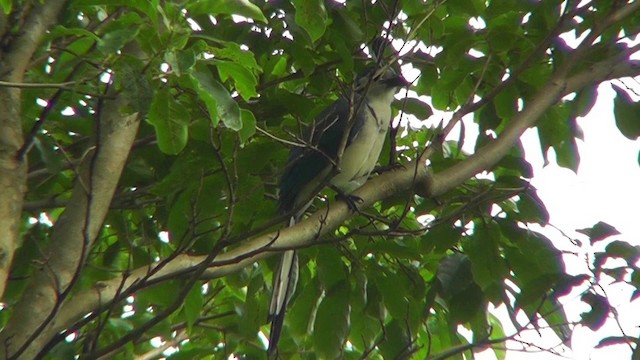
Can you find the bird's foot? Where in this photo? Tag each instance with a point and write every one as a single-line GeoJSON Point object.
{"type": "Point", "coordinates": [351, 200]}
{"type": "Point", "coordinates": [390, 167]}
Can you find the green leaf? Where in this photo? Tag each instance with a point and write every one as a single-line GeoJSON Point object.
{"type": "Point", "coordinates": [454, 275]}
{"type": "Point", "coordinates": [331, 269]}
{"type": "Point", "coordinates": [623, 250]}
{"type": "Point", "coordinates": [567, 155]}
{"type": "Point", "coordinates": [231, 7]}
{"type": "Point", "coordinates": [233, 52]}
{"type": "Point", "coordinates": [303, 310]}
{"type": "Point", "coordinates": [626, 112]}
{"type": "Point", "coordinates": [596, 317]}
{"type": "Point", "coordinates": [531, 208]}
{"type": "Point", "coordinates": [180, 61]}
{"type": "Point", "coordinates": [441, 97]}
{"type": "Point", "coordinates": [553, 313]}
{"type": "Point", "coordinates": [396, 341]}
{"type": "Point", "coordinates": [6, 6]}
{"type": "Point", "coordinates": [245, 81]}
{"type": "Point", "coordinates": [497, 332]}
{"type": "Point", "coordinates": [585, 99]}
{"type": "Point", "coordinates": [217, 99]}
{"type": "Point", "coordinates": [171, 132]}
{"type": "Point", "coordinates": [364, 330]}
{"type": "Point", "coordinates": [487, 265]}
{"type": "Point", "coordinates": [332, 322]}
{"type": "Point", "coordinates": [60, 30]}
{"type": "Point", "coordinates": [599, 232]}
{"type": "Point", "coordinates": [148, 7]}
{"type": "Point", "coordinates": [440, 237]}
{"type": "Point", "coordinates": [311, 16]}
{"type": "Point", "coordinates": [506, 102]}
{"type": "Point", "coordinates": [394, 291]}
{"type": "Point", "coordinates": [392, 248]}
{"type": "Point", "coordinates": [466, 305]}
{"type": "Point", "coordinates": [248, 125]}
{"type": "Point", "coordinates": [193, 305]}
{"type": "Point", "coordinates": [46, 147]}
{"type": "Point", "coordinates": [616, 340]}
{"type": "Point", "coordinates": [416, 107]}
{"type": "Point", "coordinates": [303, 58]}
{"type": "Point", "coordinates": [115, 40]}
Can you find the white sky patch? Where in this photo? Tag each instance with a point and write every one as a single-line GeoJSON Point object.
{"type": "Point", "coordinates": [477, 23]}
{"type": "Point", "coordinates": [68, 111]}
{"type": "Point", "coordinates": [44, 219]}
{"type": "Point", "coordinates": [163, 236]}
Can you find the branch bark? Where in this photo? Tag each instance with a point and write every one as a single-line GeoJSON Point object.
{"type": "Point", "coordinates": [72, 233]}
{"type": "Point", "coordinates": [13, 171]}
{"type": "Point", "coordinates": [324, 221]}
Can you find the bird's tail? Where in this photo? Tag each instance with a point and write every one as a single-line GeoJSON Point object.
{"type": "Point", "coordinates": [284, 285]}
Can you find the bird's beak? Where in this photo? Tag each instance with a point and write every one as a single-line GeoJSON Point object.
{"type": "Point", "coordinates": [397, 81]}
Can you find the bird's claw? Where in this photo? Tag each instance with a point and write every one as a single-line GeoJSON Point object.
{"type": "Point", "coordinates": [351, 200]}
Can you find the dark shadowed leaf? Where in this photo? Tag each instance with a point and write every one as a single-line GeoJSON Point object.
{"type": "Point", "coordinates": [626, 112]}
{"type": "Point", "coordinates": [599, 232]}
{"type": "Point", "coordinates": [193, 305]}
{"type": "Point", "coordinates": [595, 318]}
{"type": "Point", "coordinates": [585, 100]}
{"type": "Point", "coordinates": [416, 107]}
{"type": "Point", "coordinates": [332, 321]}
{"type": "Point", "coordinates": [331, 269]}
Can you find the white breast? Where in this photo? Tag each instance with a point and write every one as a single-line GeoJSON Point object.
{"type": "Point", "coordinates": [361, 156]}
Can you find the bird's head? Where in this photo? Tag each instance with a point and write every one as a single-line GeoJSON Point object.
{"type": "Point", "coordinates": [380, 81]}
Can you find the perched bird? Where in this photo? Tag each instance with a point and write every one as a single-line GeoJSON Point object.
{"type": "Point", "coordinates": [357, 124]}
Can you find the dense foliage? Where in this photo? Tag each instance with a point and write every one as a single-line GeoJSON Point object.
{"type": "Point", "coordinates": [141, 143]}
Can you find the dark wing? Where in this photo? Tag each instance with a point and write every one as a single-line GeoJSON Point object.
{"type": "Point", "coordinates": [305, 164]}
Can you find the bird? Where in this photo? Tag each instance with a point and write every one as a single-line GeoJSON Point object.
{"type": "Point", "coordinates": [341, 149]}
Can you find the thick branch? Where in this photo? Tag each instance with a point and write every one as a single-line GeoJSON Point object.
{"type": "Point", "coordinates": [12, 171]}
{"type": "Point", "coordinates": [74, 231]}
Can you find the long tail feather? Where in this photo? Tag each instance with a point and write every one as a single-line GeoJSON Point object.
{"type": "Point", "coordinates": [284, 286]}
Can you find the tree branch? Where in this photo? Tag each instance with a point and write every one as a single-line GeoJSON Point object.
{"type": "Point", "coordinates": [92, 195]}
{"type": "Point", "coordinates": [13, 65]}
